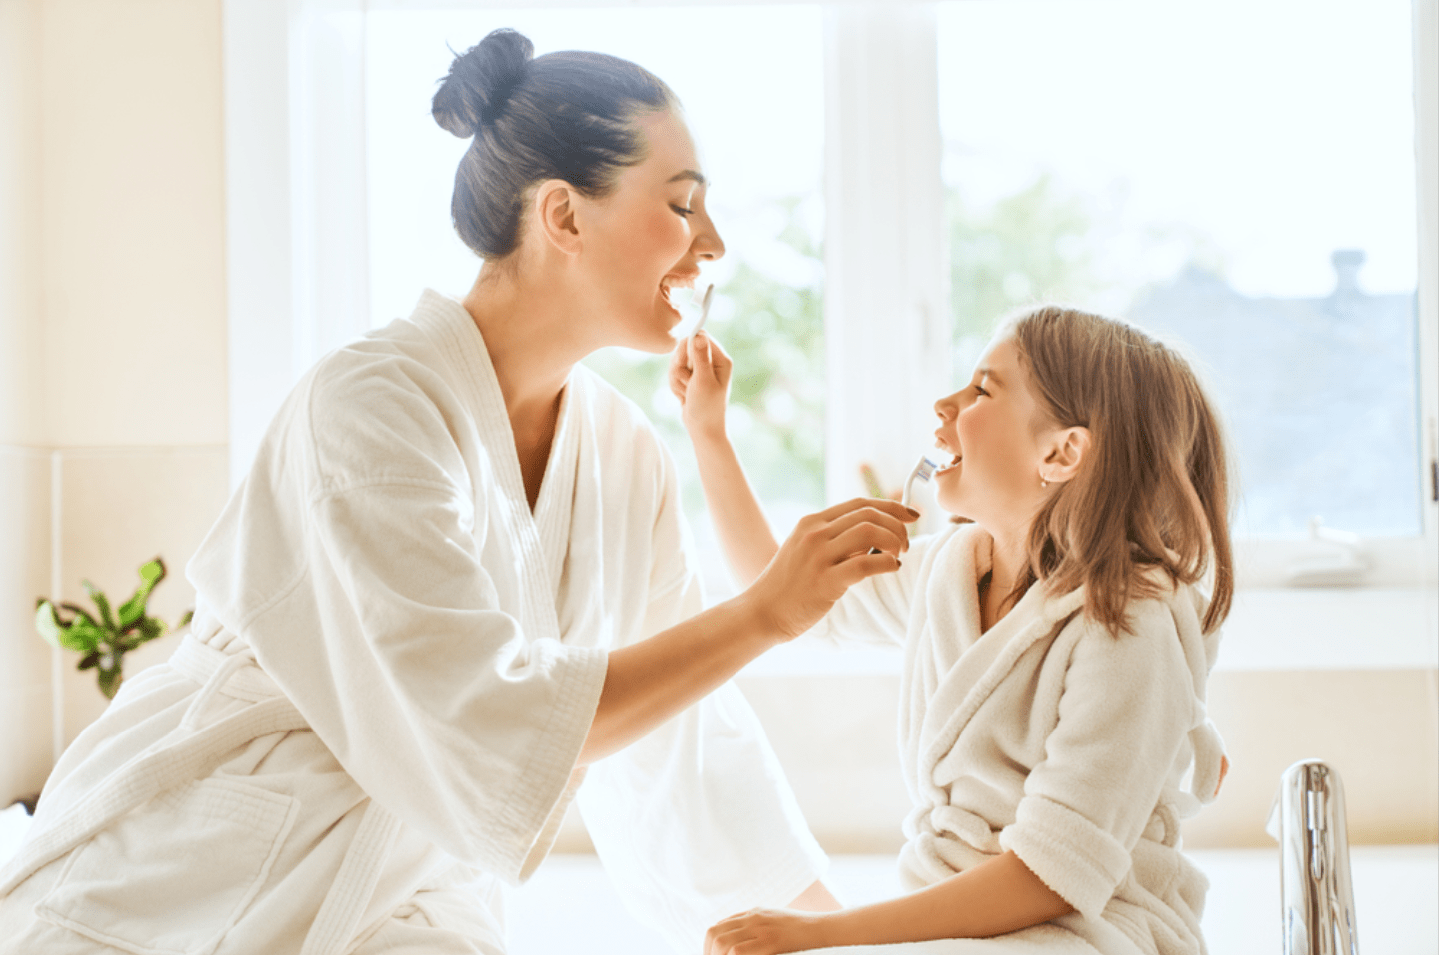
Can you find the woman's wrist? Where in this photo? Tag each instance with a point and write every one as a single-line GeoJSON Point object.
{"type": "Point", "coordinates": [758, 617]}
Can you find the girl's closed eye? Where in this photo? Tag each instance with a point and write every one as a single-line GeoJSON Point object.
{"type": "Point", "coordinates": [683, 211]}
{"type": "Point", "coordinates": [980, 390]}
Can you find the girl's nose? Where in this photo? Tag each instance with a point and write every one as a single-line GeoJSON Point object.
{"type": "Point", "coordinates": [707, 242]}
{"type": "Point", "coordinates": [947, 408]}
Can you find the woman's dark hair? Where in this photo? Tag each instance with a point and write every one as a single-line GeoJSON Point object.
{"type": "Point", "coordinates": [566, 116]}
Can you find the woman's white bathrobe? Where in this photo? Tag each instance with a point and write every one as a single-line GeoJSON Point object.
{"type": "Point", "coordinates": [393, 667]}
{"type": "Point", "coordinates": [1045, 735]}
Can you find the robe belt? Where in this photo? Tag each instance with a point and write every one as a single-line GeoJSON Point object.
{"type": "Point", "coordinates": [240, 676]}
{"type": "Point", "coordinates": [198, 755]}
{"type": "Point", "coordinates": [146, 775]}
{"type": "Point", "coordinates": [339, 915]}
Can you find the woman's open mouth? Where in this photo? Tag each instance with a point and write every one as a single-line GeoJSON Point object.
{"type": "Point", "coordinates": [670, 283]}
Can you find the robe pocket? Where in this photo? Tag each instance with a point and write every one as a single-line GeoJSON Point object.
{"type": "Point", "coordinates": [176, 873]}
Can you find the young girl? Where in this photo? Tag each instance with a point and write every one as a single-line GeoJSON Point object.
{"type": "Point", "coordinates": [1052, 721]}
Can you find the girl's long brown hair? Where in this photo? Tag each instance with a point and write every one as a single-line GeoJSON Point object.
{"type": "Point", "coordinates": [1153, 494]}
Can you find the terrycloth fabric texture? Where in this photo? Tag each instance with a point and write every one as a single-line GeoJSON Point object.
{"type": "Point", "coordinates": [422, 658]}
{"type": "Point", "coordinates": [1048, 736]}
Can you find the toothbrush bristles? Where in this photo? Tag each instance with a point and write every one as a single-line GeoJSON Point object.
{"type": "Point", "coordinates": [923, 471]}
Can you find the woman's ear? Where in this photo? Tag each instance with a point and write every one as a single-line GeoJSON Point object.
{"type": "Point", "coordinates": [555, 206]}
{"type": "Point", "coordinates": [1067, 450]}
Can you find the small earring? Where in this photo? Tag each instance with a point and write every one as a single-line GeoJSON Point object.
{"type": "Point", "coordinates": [1043, 483]}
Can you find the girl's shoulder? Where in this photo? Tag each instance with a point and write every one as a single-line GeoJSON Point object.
{"type": "Point", "coordinates": [1163, 630]}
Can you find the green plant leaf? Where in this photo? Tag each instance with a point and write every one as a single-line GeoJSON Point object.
{"type": "Point", "coordinates": [88, 661]}
{"type": "Point", "coordinates": [83, 636]}
{"type": "Point", "coordinates": [103, 604]}
{"type": "Point", "coordinates": [79, 612]}
{"type": "Point", "coordinates": [151, 574]}
{"type": "Point", "coordinates": [48, 625]}
{"type": "Point", "coordinates": [109, 681]}
{"type": "Point", "coordinates": [145, 629]}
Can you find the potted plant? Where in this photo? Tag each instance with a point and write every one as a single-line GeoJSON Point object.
{"type": "Point", "coordinates": [105, 636]}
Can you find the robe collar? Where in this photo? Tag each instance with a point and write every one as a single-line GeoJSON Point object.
{"type": "Point", "coordinates": [540, 539]}
{"type": "Point", "coordinates": [952, 668]}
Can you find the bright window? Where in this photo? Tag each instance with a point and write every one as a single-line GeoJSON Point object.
{"type": "Point", "coordinates": [1238, 176]}
{"type": "Point", "coordinates": [892, 177]}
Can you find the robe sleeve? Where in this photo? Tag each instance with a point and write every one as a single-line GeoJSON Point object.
{"type": "Point", "coordinates": [877, 610]}
{"type": "Point", "coordinates": [1124, 715]}
{"type": "Point", "coordinates": [696, 821]}
{"type": "Point", "coordinates": [389, 637]}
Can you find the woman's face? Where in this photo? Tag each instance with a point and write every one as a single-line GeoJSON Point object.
{"type": "Point", "coordinates": [649, 237]}
{"type": "Point", "coordinates": [995, 429]}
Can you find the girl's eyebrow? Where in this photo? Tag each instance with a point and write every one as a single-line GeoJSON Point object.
{"type": "Point", "coordinates": [689, 174]}
{"type": "Point", "coordinates": [987, 372]}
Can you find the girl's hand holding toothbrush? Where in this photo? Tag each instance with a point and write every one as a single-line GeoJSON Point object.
{"type": "Point", "coordinates": [700, 373]}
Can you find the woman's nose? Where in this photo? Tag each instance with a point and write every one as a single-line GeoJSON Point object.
{"type": "Point", "coordinates": [707, 243]}
{"type": "Point", "coordinates": [947, 407]}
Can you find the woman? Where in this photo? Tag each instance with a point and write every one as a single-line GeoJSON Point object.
{"type": "Point", "coordinates": [455, 578]}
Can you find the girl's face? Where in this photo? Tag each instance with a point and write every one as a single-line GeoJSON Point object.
{"type": "Point", "coordinates": [649, 237]}
{"type": "Point", "coordinates": [995, 429]}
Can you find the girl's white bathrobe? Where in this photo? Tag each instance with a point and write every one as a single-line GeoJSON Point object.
{"type": "Point", "coordinates": [393, 668]}
{"type": "Point", "coordinates": [1046, 735]}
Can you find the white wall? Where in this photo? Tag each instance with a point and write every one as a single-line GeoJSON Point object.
{"type": "Point", "coordinates": [112, 328]}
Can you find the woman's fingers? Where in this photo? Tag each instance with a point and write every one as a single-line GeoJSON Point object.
{"type": "Point", "coordinates": [879, 518]}
{"type": "Point", "coordinates": [903, 514]}
{"type": "Point", "coordinates": [865, 539]}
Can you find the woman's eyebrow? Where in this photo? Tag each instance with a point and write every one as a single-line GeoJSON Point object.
{"type": "Point", "coordinates": [988, 373]}
{"type": "Point", "coordinates": [689, 174]}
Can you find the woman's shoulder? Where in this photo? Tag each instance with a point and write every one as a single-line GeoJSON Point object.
{"type": "Point", "coordinates": [616, 416]}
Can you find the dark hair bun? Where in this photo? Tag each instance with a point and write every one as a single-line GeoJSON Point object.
{"type": "Point", "coordinates": [481, 80]}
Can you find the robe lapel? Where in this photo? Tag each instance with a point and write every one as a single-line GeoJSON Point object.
{"type": "Point", "coordinates": [508, 505]}
{"type": "Point", "coordinates": [584, 613]}
{"type": "Point", "coordinates": [962, 667]}
{"type": "Point", "coordinates": [555, 504]}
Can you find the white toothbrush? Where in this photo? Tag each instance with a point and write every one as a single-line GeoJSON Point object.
{"type": "Point", "coordinates": [923, 471]}
{"type": "Point", "coordinates": [704, 311]}
{"type": "Point", "coordinates": [704, 314]}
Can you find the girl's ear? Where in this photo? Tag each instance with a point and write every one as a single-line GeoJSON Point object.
{"type": "Point", "coordinates": [555, 206]}
{"type": "Point", "coordinates": [1067, 451]}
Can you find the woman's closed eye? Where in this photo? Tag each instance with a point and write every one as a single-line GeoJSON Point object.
{"type": "Point", "coordinates": [683, 211]}
{"type": "Point", "coordinates": [980, 390]}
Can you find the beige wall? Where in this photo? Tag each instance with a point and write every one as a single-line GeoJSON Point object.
{"type": "Point", "coordinates": [112, 325]}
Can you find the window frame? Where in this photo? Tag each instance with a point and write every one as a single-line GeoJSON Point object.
{"type": "Point", "coordinates": [297, 240]}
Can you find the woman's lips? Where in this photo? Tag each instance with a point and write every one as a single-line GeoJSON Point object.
{"type": "Point", "coordinates": [670, 283]}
